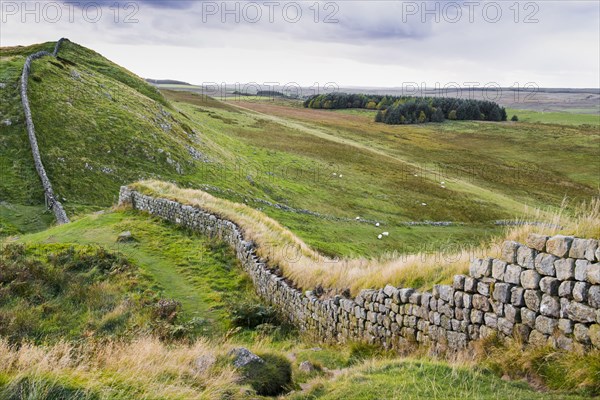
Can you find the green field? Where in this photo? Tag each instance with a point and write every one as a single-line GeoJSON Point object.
{"type": "Point", "coordinates": [557, 118]}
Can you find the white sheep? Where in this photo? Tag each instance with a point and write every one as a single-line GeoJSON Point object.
{"type": "Point", "coordinates": [386, 234]}
{"type": "Point", "coordinates": [357, 218]}
{"type": "Point", "coordinates": [423, 204]}
{"type": "Point", "coordinates": [379, 237]}
{"type": "Point", "coordinates": [377, 224]}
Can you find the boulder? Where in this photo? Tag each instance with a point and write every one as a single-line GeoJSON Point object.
{"type": "Point", "coordinates": [307, 367]}
{"type": "Point", "coordinates": [125, 237]}
{"type": "Point", "coordinates": [243, 357]}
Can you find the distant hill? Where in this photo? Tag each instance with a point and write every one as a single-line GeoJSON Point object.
{"type": "Point", "coordinates": [166, 82]}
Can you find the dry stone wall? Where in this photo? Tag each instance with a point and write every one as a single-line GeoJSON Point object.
{"type": "Point", "coordinates": [547, 291]}
{"type": "Point", "coordinates": [51, 200]}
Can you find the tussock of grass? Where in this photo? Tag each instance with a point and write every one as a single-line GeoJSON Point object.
{"type": "Point", "coordinates": [145, 368]}
{"type": "Point", "coordinates": [577, 370]}
{"type": "Point", "coordinates": [583, 221]}
{"type": "Point", "coordinates": [309, 269]}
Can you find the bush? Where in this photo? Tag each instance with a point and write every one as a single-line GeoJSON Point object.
{"type": "Point", "coordinates": [514, 118]}
{"type": "Point", "coordinates": [270, 378]}
{"type": "Point", "coordinates": [250, 314]}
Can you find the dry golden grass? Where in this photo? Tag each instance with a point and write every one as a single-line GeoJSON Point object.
{"type": "Point", "coordinates": [309, 269]}
{"type": "Point", "coordinates": [147, 367]}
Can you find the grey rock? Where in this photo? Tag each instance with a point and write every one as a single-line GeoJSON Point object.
{"type": "Point", "coordinates": [565, 268]}
{"type": "Point", "coordinates": [243, 357]}
{"type": "Point", "coordinates": [483, 288]}
{"type": "Point", "coordinates": [512, 313]}
{"type": "Point", "coordinates": [505, 326]}
{"type": "Point", "coordinates": [581, 333]}
{"type": "Point", "coordinates": [533, 298]}
{"type": "Point", "coordinates": [517, 296]}
{"type": "Point", "coordinates": [580, 312]}
{"type": "Point", "coordinates": [481, 302]}
{"type": "Point", "coordinates": [476, 316]}
{"type": "Point", "coordinates": [544, 264]}
{"type": "Point", "coordinates": [502, 292]}
{"type": "Point", "coordinates": [498, 268]}
{"type": "Point", "coordinates": [528, 317]}
{"type": "Point", "coordinates": [526, 257]}
{"type": "Point", "coordinates": [593, 297]}
{"type": "Point", "coordinates": [125, 237]}
{"type": "Point", "coordinates": [550, 306]}
{"type": "Point", "coordinates": [509, 252]}
{"type": "Point", "coordinates": [389, 290]}
{"type": "Point", "coordinates": [470, 285]}
{"type": "Point", "coordinates": [481, 268]}
{"type": "Point", "coordinates": [458, 282]}
{"type": "Point", "coordinates": [491, 320]}
{"type": "Point", "coordinates": [536, 241]}
{"type": "Point", "coordinates": [580, 291]}
{"type": "Point", "coordinates": [307, 367]}
{"type": "Point", "coordinates": [581, 269]}
{"type": "Point", "coordinates": [593, 273]}
{"type": "Point", "coordinates": [583, 248]}
{"type": "Point", "coordinates": [444, 292]}
{"type": "Point", "coordinates": [565, 325]}
{"type": "Point", "coordinates": [513, 274]}
{"type": "Point", "coordinates": [559, 245]}
{"type": "Point", "coordinates": [405, 294]}
{"type": "Point", "coordinates": [530, 279]}
{"type": "Point", "coordinates": [549, 285]}
{"type": "Point", "coordinates": [566, 289]}
{"type": "Point", "coordinates": [545, 325]}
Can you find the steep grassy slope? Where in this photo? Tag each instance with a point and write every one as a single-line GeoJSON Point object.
{"type": "Point", "coordinates": [98, 126]}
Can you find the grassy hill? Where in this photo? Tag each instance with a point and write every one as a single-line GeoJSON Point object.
{"type": "Point", "coordinates": [98, 126]}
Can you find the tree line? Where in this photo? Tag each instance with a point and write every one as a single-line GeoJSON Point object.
{"type": "Point", "coordinates": [410, 109]}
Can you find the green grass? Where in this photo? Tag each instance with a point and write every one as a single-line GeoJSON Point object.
{"type": "Point", "coordinates": [419, 380]}
{"type": "Point", "coordinates": [201, 274]}
{"type": "Point", "coordinates": [557, 118]}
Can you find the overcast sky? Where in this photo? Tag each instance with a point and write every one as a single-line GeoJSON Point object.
{"type": "Point", "coordinates": [351, 43]}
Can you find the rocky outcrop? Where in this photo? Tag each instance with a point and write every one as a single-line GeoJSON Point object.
{"type": "Point", "coordinates": [546, 292]}
{"type": "Point", "coordinates": [52, 202]}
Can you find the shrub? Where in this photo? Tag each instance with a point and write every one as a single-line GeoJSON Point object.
{"type": "Point", "coordinates": [250, 314]}
{"type": "Point", "coordinates": [270, 378]}
{"type": "Point", "coordinates": [514, 118]}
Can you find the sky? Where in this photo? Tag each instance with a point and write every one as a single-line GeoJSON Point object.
{"type": "Point", "coordinates": [346, 43]}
